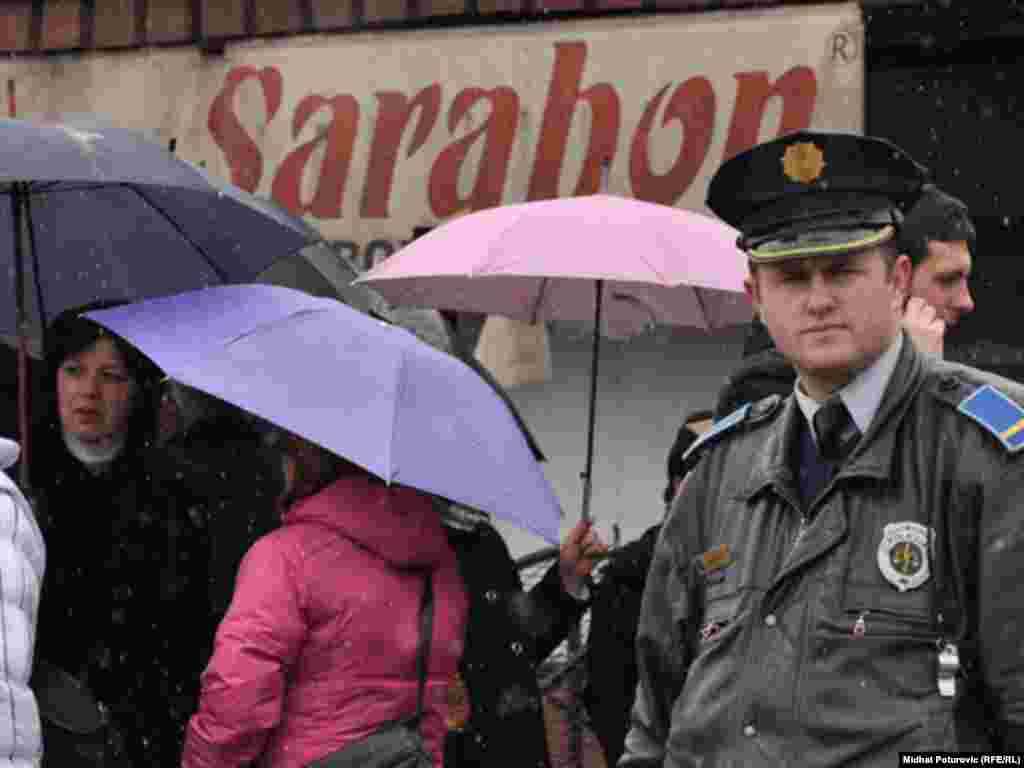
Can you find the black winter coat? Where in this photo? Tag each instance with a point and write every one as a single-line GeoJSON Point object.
{"type": "Point", "coordinates": [611, 645]}
{"type": "Point", "coordinates": [109, 613]}
{"type": "Point", "coordinates": [509, 632]}
{"type": "Point", "coordinates": [225, 483]}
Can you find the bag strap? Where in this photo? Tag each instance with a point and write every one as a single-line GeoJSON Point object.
{"type": "Point", "coordinates": [426, 633]}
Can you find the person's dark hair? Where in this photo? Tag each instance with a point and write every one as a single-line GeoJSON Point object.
{"type": "Point", "coordinates": [315, 466]}
{"type": "Point", "coordinates": [685, 437]}
{"type": "Point", "coordinates": [760, 375]}
{"type": "Point", "coordinates": [935, 216]}
{"type": "Point", "coordinates": [70, 334]}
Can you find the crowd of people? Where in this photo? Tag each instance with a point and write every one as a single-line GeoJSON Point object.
{"type": "Point", "coordinates": [834, 579]}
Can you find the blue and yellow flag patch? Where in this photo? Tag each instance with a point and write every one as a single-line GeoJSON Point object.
{"type": "Point", "coordinates": [998, 414]}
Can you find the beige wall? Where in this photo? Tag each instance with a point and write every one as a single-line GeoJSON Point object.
{"type": "Point", "coordinates": [507, 113]}
{"type": "Point", "coordinates": [500, 114]}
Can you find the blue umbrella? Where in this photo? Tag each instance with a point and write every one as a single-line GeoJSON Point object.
{"type": "Point", "coordinates": [93, 211]}
{"type": "Point", "coordinates": [89, 210]}
{"type": "Point", "coordinates": [361, 388]}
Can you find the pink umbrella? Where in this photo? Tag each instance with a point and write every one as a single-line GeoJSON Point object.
{"type": "Point", "coordinates": [624, 264]}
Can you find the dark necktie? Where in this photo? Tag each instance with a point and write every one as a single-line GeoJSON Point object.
{"type": "Point", "coordinates": [818, 463]}
{"type": "Point", "coordinates": [836, 431]}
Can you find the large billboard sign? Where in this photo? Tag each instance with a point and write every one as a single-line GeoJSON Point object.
{"type": "Point", "coordinates": [370, 135]}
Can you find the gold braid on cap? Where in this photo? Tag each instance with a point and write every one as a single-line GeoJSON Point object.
{"type": "Point", "coordinates": [883, 235]}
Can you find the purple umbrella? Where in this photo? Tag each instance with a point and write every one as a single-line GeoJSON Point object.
{"type": "Point", "coordinates": [359, 387]}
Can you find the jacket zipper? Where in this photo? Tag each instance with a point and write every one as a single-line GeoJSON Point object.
{"type": "Point", "coordinates": [872, 623]}
{"type": "Point", "coordinates": [800, 531]}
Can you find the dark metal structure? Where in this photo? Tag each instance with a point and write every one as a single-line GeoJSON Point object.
{"type": "Point", "coordinates": [943, 82]}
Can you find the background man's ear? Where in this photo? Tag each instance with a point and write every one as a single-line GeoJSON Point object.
{"type": "Point", "coordinates": [751, 287]}
{"type": "Point", "coordinates": [903, 273]}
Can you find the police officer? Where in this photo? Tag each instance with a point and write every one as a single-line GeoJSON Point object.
{"type": "Point", "coordinates": [838, 580]}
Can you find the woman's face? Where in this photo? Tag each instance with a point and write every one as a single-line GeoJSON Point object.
{"type": "Point", "coordinates": [95, 393]}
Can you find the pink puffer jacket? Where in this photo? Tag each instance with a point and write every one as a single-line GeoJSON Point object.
{"type": "Point", "coordinates": [319, 645]}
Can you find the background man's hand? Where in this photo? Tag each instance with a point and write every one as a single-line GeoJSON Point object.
{"type": "Point", "coordinates": [925, 328]}
{"type": "Point", "coordinates": [573, 562]}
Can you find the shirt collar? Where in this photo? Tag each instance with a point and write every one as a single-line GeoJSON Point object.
{"type": "Point", "coordinates": [863, 395]}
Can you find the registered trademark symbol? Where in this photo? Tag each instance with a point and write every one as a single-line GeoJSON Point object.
{"type": "Point", "coordinates": [844, 47]}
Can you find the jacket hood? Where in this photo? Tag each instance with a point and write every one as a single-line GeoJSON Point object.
{"type": "Point", "coordinates": [399, 524]}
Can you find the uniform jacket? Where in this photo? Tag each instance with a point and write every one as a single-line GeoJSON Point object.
{"type": "Point", "coordinates": [771, 635]}
{"type": "Point", "coordinates": [318, 647]}
{"type": "Point", "coordinates": [509, 633]}
{"type": "Point", "coordinates": [22, 562]}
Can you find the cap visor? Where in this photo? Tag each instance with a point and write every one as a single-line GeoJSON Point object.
{"type": "Point", "coordinates": [820, 243]}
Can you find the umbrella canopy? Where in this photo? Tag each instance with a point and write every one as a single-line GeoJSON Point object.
{"type": "Point", "coordinates": [322, 271]}
{"type": "Point", "coordinates": [93, 211]}
{"type": "Point", "coordinates": [624, 263]}
{"type": "Point", "coordinates": [359, 387]}
{"type": "Point", "coordinates": [539, 261]}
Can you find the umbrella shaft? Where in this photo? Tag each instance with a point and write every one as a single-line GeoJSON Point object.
{"type": "Point", "coordinates": [19, 200]}
{"type": "Point", "coordinates": [17, 211]}
{"type": "Point", "coordinates": [594, 357]}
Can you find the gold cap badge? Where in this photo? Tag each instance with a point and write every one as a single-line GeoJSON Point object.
{"type": "Point", "coordinates": [803, 162]}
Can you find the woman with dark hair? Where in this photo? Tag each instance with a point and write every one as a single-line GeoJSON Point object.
{"type": "Point", "coordinates": [105, 614]}
{"type": "Point", "coordinates": [318, 648]}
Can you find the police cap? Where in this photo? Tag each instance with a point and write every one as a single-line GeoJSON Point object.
{"type": "Point", "coordinates": [811, 193]}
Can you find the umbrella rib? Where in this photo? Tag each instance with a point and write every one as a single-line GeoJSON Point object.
{"type": "Point", "coordinates": [260, 327]}
{"type": "Point", "coordinates": [703, 307]}
{"type": "Point", "coordinates": [399, 390]}
{"type": "Point", "coordinates": [221, 275]}
{"type": "Point", "coordinates": [668, 247]}
{"type": "Point", "coordinates": [535, 310]}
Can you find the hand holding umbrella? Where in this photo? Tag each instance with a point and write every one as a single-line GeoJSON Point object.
{"type": "Point", "coordinates": [578, 555]}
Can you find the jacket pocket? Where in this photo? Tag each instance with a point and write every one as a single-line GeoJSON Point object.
{"type": "Point", "coordinates": [724, 609]}
{"type": "Point", "coordinates": [881, 611]}
{"type": "Point", "coordinates": [885, 639]}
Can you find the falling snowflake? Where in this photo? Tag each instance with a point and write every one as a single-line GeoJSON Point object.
{"type": "Point", "coordinates": [84, 139]}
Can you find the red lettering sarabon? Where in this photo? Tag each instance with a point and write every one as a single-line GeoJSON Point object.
{"type": "Point", "coordinates": [692, 105]}
{"type": "Point", "coordinates": [498, 132]}
{"type": "Point", "coordinates": [563, 97]}
{"type": "Point", "coordinates": [240, 151]}
{"type": "Point", "coordinates": [339, 135]}
{"type": "Point", "coordinates": [394, 110]}
{"type": "Point", "coordinates": [798, 89]}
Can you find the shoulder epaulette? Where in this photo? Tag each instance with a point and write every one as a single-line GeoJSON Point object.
{"type": "Point", "coordinates": [750, 412]}
{"type": "Point", "coordinates": [999, 414]}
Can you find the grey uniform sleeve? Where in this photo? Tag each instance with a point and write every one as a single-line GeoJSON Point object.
{"type": "Point", "coordinates": [662, 643]}
{"type": "Point", "coordinates": [1001, 602]}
